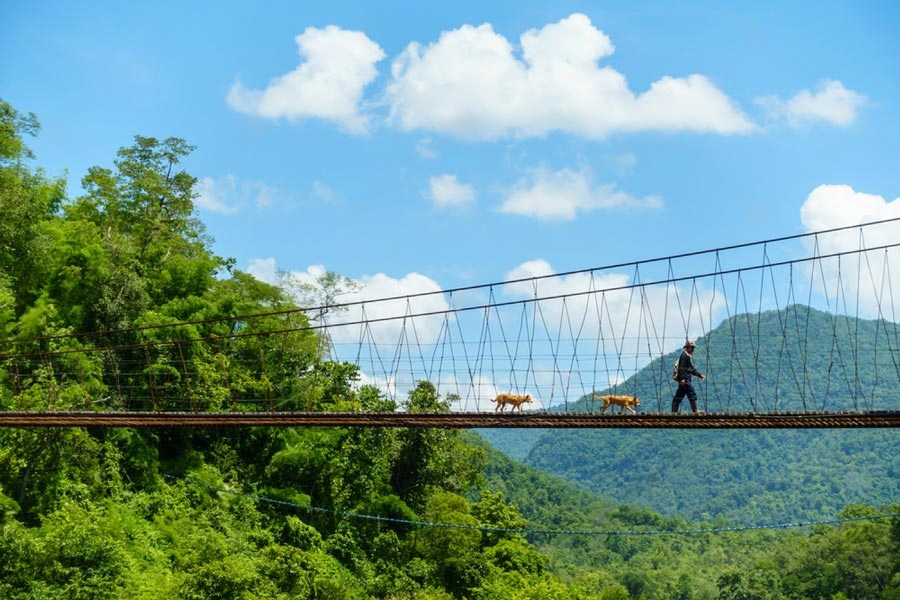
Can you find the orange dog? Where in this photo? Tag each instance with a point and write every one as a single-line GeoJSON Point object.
{"type": "Point", "coordinates": [513, 400]}
{"type": "Point", "coordinates": [623, 402]}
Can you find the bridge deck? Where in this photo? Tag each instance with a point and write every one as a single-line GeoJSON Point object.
{"type": "Point", "coordinates": [457, 420]}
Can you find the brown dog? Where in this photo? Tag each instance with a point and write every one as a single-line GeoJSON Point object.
{"type": "Point", "coordinates": [623, 402]}
{"type": "Point", "coordinates": [513, 400]}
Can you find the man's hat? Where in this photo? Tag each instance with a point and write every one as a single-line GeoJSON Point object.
{"type": "Point", "coordinates": [690, 344]}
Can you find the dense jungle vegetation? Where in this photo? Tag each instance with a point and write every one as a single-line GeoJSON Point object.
{"type": "Point", "coordinates": [745, 476]}
{"type": "Point", "coordinates": [298, 513]}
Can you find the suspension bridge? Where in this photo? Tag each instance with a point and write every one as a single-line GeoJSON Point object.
{"type": "Point", "coordinates": [792, 332]}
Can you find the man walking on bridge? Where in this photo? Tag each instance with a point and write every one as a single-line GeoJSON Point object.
{"type": "Point", "coordinates": [686, 371]}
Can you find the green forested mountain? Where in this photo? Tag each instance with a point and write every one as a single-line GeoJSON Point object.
{"type": "Point", "coordinates": [784, 360]}
{"type": "Point", "coordinates": [794, 359]}
{"type": "Point", "coordinates": [714, 562]}
{"type": "Point", "coordinates": [304, 513]}
{"type": "Point", "coordinates": [746, 476]}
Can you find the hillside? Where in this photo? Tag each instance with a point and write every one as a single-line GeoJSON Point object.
{"type": "Point", "coordinates": [748, 476]}
{"type": "Point", "coordinates": [794, 359]}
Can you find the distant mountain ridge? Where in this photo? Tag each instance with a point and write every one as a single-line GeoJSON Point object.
{"type": "Point", "coordinates": [795, 359]}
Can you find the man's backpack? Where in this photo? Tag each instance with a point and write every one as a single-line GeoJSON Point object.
{"type": "Point", "coordinates": [675, 369]}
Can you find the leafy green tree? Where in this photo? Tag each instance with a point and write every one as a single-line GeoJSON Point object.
{"type": "Point", "coordinates": [28, 202]}
{"type": "Point", "coordinates": [8, 508]}
{"type": "Point", "coordinates": [320, 299]}
{"type": "Point", "coordinates": [144, 213]}
{"type": "Point", "coordinates": [850, 558]}
{"type": "Point", "coordinates": [223, 579]}
{"type": "Point", "coordinates": [751, 584]}
{"type": "Point", "coordinates": [492, 511]}
{"type": "Point", "coordinates": [515, 555]}
{"type": "Point", "coordinates": [440, 544]}
{"type": "Point", "coordinates": [428, 457]}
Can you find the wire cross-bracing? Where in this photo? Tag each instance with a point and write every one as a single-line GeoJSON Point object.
{"type": "Point", "coordinates": [802, 323]}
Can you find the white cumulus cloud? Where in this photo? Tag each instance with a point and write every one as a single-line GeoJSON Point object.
{"type": "Point", "coordinates": [554, 336]}
{"type": "Point", "coordinates": [473, 83]}
{"type": "Point", "coordinates": [446, 191]}
{"type": "Point", "coordinates": [263, 269]}
{"type": "Point", "coordinates": [609, 315]}
{"type": "Point", "coordinates": [547, 194]}
{"type": "Point", "coordinates": [424, 329]}
{"type": "Point", "coordinates": [830, 102]}
{"type": "Point", "coordinates": [387, 320]}
{"type": "Point", "coordinates": [830, 206]}
{"type": "Point", "coordinates": [328, 84]}
{"type": "Point", "coordinates": [425, 149]}
{"type": "Point", "coordinates": [228, 195]}
{"type": "Point", "coordinates": [870, 275]}
{"type": "Point", "coordinates": [592, 330]}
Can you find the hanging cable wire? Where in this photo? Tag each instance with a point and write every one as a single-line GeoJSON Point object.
{"type": "Point", "coordinates": [535, 531]}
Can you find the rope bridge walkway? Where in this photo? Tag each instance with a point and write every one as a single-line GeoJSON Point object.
{"type": "Point", "coordinates": [797, 331]}
{"type": "Point", "coordinates": [455, 420]}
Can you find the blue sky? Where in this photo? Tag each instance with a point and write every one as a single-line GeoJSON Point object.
{"type": "Point", "coordinates": [418, 146]}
